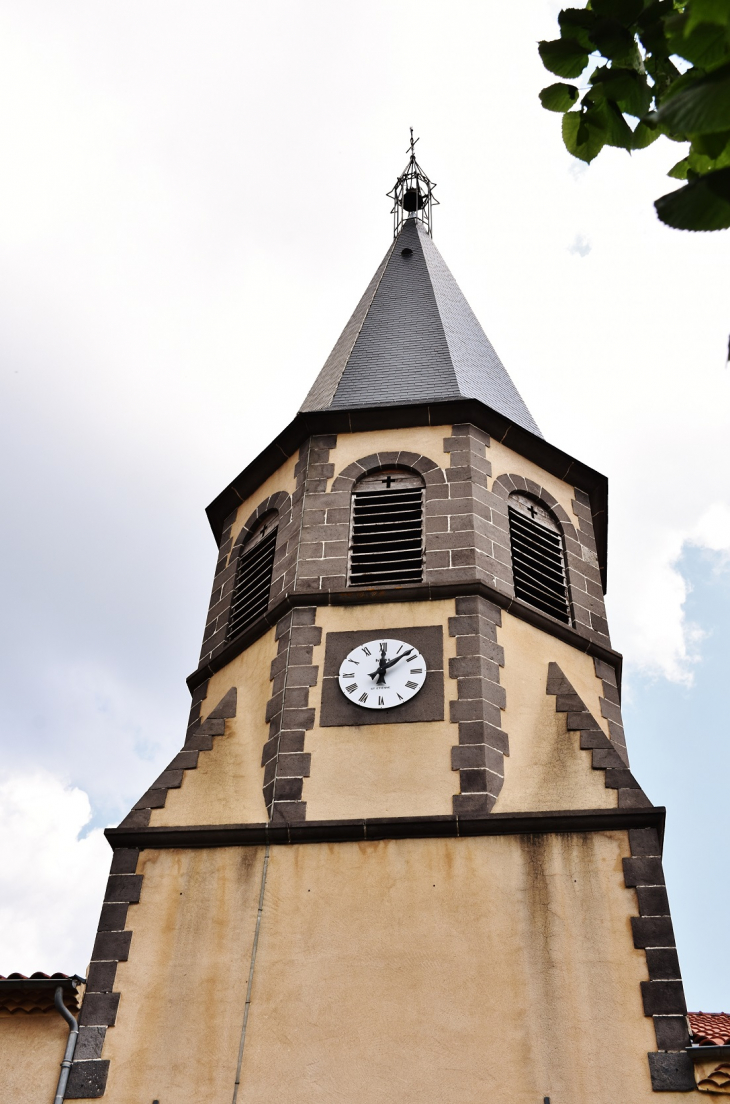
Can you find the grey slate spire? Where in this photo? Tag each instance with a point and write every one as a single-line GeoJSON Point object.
{"type": "Point", "coordinates": [414, 339]}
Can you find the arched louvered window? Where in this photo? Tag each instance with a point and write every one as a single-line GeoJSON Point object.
{"type": "Point", "coordinates": [538, 559]}
{"type": "Point", "coordinates": [386, 532]}
{"type": "Point", "coordinates": [253, 576]}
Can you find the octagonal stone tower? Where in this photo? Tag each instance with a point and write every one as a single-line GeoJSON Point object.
{"type": "Point", "coordinates": [426, 874]}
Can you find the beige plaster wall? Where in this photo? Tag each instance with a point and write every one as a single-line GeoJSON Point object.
{"type": "Point", "coordinates": [426, 440]}
{"type": "Point", "coordinates": [506, 462]}
{"type": "Point", "coordinates": [388, 769]}
{"type": "Point", "coordinates": [463, 971]}
{"type": "Point", "coordinates": [282, 480]}
{"type": "Point", "coordinates": [546, 768]}
{"type": "Point", "coordinates": [226, 786]}
{"type": "Point", "coordinates": [183, 988]}
{"type": "Point", "coordinates": [32, 1045]}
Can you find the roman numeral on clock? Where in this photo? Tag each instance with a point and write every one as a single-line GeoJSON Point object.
{"type": "Point", "coordinates": [366, 650]}
{"type": "Point", "coordinates": [381, 701]}
{"type": "Point", "coordinates": [363, 698]}
{"type": "Point", "coordinates": [412, 685]}
{"type": "Point", "coordinates": [414, 671]}
{"type": "Point", "coordinates": [351, 689]}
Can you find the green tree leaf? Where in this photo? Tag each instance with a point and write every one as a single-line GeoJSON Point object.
{"type": "Point", "coordinates": [703, 204]}
{"type": "Point", "coordinates": [563, 56]}
{"type": "Point", "coordinates": [644, 135]}
{"type": "Point", "coordinates": [624, 87]}
{"type": "Point", "coordinates": [576, 23]}
{"type": "Point", "coordinates": [559, 97]}
{"type": "Point", "coordinates": [708, 11]}
{"type": "Point", "coordinates": [705, 45]}
{"type": "Point", "coordinates": [711, 145]}
{"type": "Point", "coordinates": [679, 171]}
{"type": "Point", "coordinates": [623, 11]}
{"type": "Point", "coordinates": [702, 106]}
{"type": "Point", "coordinates": [617, 132]}
{"type": "Point", "coordinates": [700, 161]}
{"type": "Point", "coordinates": [583, 138]}
{"type": "Point", "coordinates": [615, 42]}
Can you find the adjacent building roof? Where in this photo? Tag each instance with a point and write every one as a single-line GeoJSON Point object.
{"type": "Point", "coordinates": [709, 1028]}
{"type": "Point", "coordinates": [19, 993]}
{"type": "Point", "coordinates": [414, 339]}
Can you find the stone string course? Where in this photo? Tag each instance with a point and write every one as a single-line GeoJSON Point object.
{"type": "Point", "coordinates": [479, 755]}
{"type": "Point", "coordinates": [285, 762]}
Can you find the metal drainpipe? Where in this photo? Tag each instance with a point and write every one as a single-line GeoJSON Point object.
{"type": "Point", "coordinates": [73, 1035]}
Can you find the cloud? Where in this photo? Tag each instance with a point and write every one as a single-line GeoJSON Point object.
{"type": "Point", "coordinates": [52, 879]}
{"type": "Point", "coordinates": [659, 637]}
{"type": "Point", "coordinates": [580, 245]}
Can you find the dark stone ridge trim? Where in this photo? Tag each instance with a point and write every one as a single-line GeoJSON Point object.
{"type": "Point", "coordinates": [283, 758]}
{"type": "Point", "coordinates": [611, 705]}
{"type": "Point", "coordinates": [380, 828]}
{"type": "Point", "coordinates": [87, 1080]}
{"type": "Point", "coordinates": [88, 1076]}
{"type": "Point", "coordinates": [580, 638]}
{"type": "Point", "coordinates": [670, 1066]}
{"type": "Point", "coordinates": [401, 416]}
{"type": "Point", "coordinates": [606, 757]}
{"type": "Point", "coordinates": [479, 755]}
{"type": "Point", "coordinates": [672, 1072]}
{"type": "Point", "coordinates": [199, 738]}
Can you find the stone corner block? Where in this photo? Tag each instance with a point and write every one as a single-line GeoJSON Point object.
{"type": "Point", "coordinates": [671, 1071]}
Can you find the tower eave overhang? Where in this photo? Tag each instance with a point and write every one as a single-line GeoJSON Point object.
{"type": "Point", "coordinates": [403, 416]}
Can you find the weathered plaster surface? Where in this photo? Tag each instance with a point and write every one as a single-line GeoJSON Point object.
{"type": "Point", "coordinates": [32, 1045]}
{"type": "Point", "coordinates": [225, 788]}
{"type": "Point", "coordinates": [184, 985]}
{"type": "Point", "coordinates": [546, 768]}
{"type": "Point", "coordinates": [381, 770]}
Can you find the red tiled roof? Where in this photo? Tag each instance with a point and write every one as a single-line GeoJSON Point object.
{"type": "Point", "coordinates": [709, 1028]}
{"type": "Point", "coordinates": [37, 976]}
{"type": "Point", "coordinates": [19, 994]}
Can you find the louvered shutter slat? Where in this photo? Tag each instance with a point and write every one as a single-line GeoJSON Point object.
{"type": "Point", "coordinates": [253, 585]}
{"type": "Point", "coordinates": [538, 566]}
{"type": "Point", "coordinates": [387, 537]}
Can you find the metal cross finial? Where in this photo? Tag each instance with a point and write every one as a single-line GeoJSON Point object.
{"type": "Point", "coordinates": [412, 194]}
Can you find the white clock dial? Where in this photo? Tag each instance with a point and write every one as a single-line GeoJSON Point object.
{"type": "Point", "coordinates": [382, 674]}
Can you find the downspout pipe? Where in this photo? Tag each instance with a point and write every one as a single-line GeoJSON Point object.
{"type": "Point", "coordinates": [73, 1034]}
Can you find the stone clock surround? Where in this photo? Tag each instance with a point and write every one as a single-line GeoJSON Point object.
{"type": "Point", "coordinates": [427, 705]}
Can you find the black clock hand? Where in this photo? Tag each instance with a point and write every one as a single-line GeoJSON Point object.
{"type": "Point", "coordinates": [384, 665]}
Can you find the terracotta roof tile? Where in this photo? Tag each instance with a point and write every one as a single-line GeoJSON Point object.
{"type": "Point", "coordinates": [17, 996]}
{"type": "Point", "coordinates": [709, 1028]}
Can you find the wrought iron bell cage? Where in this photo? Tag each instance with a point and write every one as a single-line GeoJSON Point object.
{"type": "Point", "coordinates": [412, 194]}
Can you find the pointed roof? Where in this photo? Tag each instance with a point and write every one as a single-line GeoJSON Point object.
{"type": "Point", "coordinates": [414, 339]}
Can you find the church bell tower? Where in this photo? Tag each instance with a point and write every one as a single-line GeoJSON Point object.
{"type": "Point", "coordinates": [401, 855]}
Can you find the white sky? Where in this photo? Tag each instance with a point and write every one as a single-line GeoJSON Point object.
{"type": "Point", "coordinates": [191, 204]}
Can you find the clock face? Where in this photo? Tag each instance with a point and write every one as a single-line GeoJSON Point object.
{"type": "Point", "coordinates": [382, 674]}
